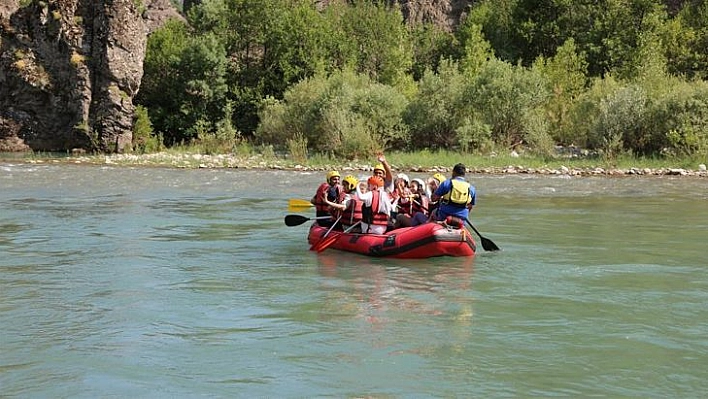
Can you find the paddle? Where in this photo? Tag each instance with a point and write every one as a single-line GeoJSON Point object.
{"type": "Point", "coordinates": [316, 246]}
{"type": "Point", "coordinates": [298, 205]}
{"type": "Point", "coordinates": [324, 244]}
{"type": "Point", "coordinates": [296, 220]}
{"type": "Point", "coordinates": [487, 244]}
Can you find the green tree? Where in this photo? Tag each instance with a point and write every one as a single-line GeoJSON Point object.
{"type": "Point", "coordinates": [566, 76]}
{"type": "Point", "coordinates": [184, 81]}
{"type": "Point", "coordinates": [162, 86]}
{"type": "Point", "coordinates": [685, 40]}
{"type": "Point", "coordinates": [496, 17]}
{"type": "Point", "coordinates": [380, 41]}
{"type": "Point", "coordinates": [431, 45]}
{"type": "Point", "coordinates": [677, 122]}
{"type": "Point", "coordinates": [476, 50]}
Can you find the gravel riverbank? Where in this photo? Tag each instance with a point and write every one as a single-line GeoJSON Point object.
{"type": "Point", "coordinates": [258, 162]}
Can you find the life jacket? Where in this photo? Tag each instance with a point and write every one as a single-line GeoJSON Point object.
{"type": "Point", "coordinates": [371, 216]}
{"type": "Point", "coordinates": [334, 194]}
{"type": "Point", "coordinates": [352, 213]}
{"type": "Point", "coordinates": [459, 195]}
{"type": "Point", "coordinates": [406, 209]}
{"type": "Point", "coordinates": [404, 202]}
{"type": "Point", "coordinates": [417, 206]}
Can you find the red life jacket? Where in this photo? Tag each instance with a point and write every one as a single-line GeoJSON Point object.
{"type": "Point", "coordinates": [321, 207]}
{"type": "Point", "coordinates": [374, 216]}
{"type": "Point", "coordinates": [353, 213]}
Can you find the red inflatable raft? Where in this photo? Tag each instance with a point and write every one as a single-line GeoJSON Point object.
{"type": "Point", "coordinates": [423, 241]}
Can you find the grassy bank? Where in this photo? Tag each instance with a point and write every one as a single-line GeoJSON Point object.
{"type": "Point", "coordinates": [421, 161]}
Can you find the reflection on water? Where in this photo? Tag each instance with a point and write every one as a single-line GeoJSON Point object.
{"type": "Point", "coordinates": [372, 288]}
{"type": "Point", "coordinates": [148, 282]}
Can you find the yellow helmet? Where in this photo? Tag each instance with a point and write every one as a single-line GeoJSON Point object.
{"type": "Point", "coordinates": [439, 177]}
{"type": "Point", "coordinates": [332, 174]}
{"type": "Point", "coordinates": [352, 181]}
{"type": "Point", "coordinates": [379, 166]}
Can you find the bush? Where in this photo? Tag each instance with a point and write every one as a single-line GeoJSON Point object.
{"type": "Point", "coordinates": [345, 115]}
{"type": "Point", "coordinates": [433, 115]}
{"type": "Point", "coordinates": [619, 124]}
{"type": "Point", "coordinates": [473, 134]}
{"type": "Point", "coordinates": [586, 110]}
{"type": "Point", "coordinates": [143, 139]}
{"type": "Point", "coordinates": [678, 121]}
{"type": "Point", "coordinates": [298, 148]}
{"type": "Point", "coordinates": [502, 95]}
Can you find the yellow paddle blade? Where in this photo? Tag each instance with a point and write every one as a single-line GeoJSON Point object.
{"type": "Point", "coordinates": [298, 205]}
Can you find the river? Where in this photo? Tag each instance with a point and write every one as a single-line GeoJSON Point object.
{"type": "Point", "coordinates": [155, 282]}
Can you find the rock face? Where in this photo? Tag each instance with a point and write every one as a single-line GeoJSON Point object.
{"type": "Point", "coordinates": [69, 70]}
{"type": "Point", "coordinates": [443, 13]}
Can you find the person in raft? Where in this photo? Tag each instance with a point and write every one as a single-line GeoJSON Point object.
{"type": "Point", "coordinates": [418, 213]}
{"type": "Point", "coordinates": [456, 196]}
{"type": "Point", "coordinates": [376, 207]}
{"type": "Point", "coordinates": [330, 191]}
{"type": "Point", "coordinates": [383, 170]}
{"type": "Point", "coordinates": [349, 207]}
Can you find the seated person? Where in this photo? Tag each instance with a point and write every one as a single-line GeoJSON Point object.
{"type": "Point", "coordinates": [331, 191]}
{"type": "Point", "coordinates": [376, 207]}
{"type": "Point", "coordinates": [456, 196]}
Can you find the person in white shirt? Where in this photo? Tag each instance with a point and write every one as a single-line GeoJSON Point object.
{"type": "Point", "coordinates": [376, 206]}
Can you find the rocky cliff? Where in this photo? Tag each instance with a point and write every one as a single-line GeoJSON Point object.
{"type": "Point", "coordinates": [69, 70]}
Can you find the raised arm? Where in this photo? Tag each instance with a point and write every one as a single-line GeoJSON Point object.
{"type": "Point", "coordinates": [387, 168]}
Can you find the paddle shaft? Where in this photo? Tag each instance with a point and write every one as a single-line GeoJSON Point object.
{"type": "Point", "coordinates": [325, 243]}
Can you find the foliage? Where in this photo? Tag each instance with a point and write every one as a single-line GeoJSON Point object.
{"type": "Point", "coordinates": [431, 45]}
{"type": "Point", "coordinates": [678, 122]}
{"type": "Point", "coordinates": [345, 114]}
{"type": "Point", "coordinates": [144, 141]}
{"type": "Point", "coordinates": [297, 147]}
{"type": "Point", "coordinates": [685, 39]}
{"type": "Point", "coordinates": [197, 68]}
{"type": "Point", "coordinates": [433, 115]}
{"type": "Point", "coordinates": [496, 19]}
{"type": "Point", "coordinates": [586, 110]}
{"type": "Point", "coordinates": [476, 51]}
{"type": "Point", "coordinates": [352, 77]}
{"type": "Point", "coordinates": [618, 125]}
{"type": "Point", "coordinates": [503, 96]}
{"type": "Point", "coordinates": [565, 74]}
{"type": "Point", "coordinates": [381, 40]}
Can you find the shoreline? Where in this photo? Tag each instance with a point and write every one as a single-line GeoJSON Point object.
{"type": "Point", "coordinates": [257, 162]}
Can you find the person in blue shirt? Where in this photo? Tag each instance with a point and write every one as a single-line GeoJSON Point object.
{"type": "Point", "coordinates": [456, 195]}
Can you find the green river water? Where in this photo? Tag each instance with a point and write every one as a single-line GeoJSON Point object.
{"type": "Point", "coordinates": [167, 283]}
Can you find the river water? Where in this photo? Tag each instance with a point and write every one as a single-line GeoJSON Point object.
{"type": "Point", "coordinates": [151, 282]}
